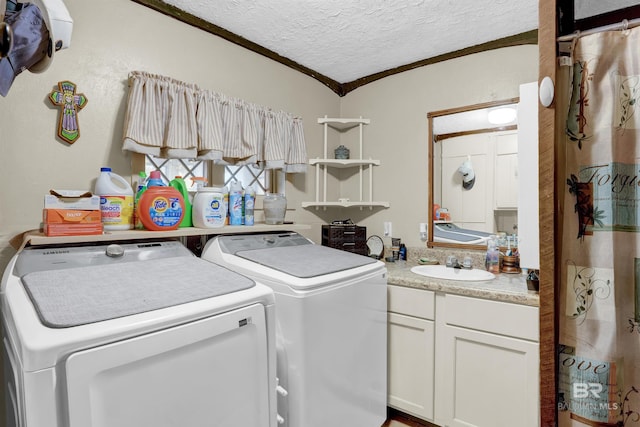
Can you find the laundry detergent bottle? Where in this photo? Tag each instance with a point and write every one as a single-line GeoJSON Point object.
{"type": "Point", "coordinates": [116, 200]}
{"type": "Point", "coordinates": [155, 179]}
{"type": "Point", "coordinates": [179, 184]}
{"type": "Point", "coordinates": [160, 208]}
{"type": "Point", "coordinates": [142, 185]}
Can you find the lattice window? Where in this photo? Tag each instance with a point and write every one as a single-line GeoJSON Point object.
{"type": "Point", "coordinates": [262, 180]}
{"type": "Point", "coordinates": [259, 179]}
{"type": "Point", "coordinates": [170, 168]}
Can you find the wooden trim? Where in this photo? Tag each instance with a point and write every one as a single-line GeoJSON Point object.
{"type": "Point", "coordinates": [341, 89]}
{"type": "Point", "coordinates": [433, 138]}
{"type": "Point", "coordinates": [591, 423]}
{"type": "Point", "coordinates": [473, 107]}
{"type": "Point", "coordinates": [473, 132]}
{"type": "Point", "coordinates": [193, 20]}
{"type": "Point", "coordinates": [529, 37]}
{"type": "Point", "coordinates": [431, 148]}
{"type": "Point", "coordinates": [550, 234]}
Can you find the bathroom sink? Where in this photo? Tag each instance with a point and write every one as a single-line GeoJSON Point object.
{"type": "Point", "coordinates": [444, 272]}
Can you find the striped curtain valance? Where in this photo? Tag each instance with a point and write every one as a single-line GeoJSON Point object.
{"type": "Point", "coordinates": [171, 119]}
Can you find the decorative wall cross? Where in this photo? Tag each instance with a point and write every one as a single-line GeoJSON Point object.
{"type": "Point", "coordinates": [70, 103]}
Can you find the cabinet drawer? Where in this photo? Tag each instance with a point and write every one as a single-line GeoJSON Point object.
{"type": "Point", "coordinates": [350, 238]}
{"type": "Point", "coordinates": [514, 320]}
{"type": "Point", "coordinates": [411, 301]}
{"type": "Point", "coordinates": [355, 247]}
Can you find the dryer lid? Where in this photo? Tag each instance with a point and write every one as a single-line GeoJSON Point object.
{"type": "Point", "coordinates": [306, 261]}
{"type": "Point", "coordinates": [82, 295]}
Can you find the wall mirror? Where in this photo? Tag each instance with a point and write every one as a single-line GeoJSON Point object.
{"type": "Point", "coordinates": [473, 173]}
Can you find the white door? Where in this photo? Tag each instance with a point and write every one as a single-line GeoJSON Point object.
{"type": "Point", "coordinates": [472, 208]}
{"type": "Point", "coordinates": [506, 171]}
{"type": "Point", "coordinates": [209, 372]}
{"type": "Point", "coordinates": [492, 380]}
{"type": "Point", "coordinates": [411, 365]}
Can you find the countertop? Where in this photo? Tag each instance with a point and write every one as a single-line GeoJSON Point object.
{"type": "Point", "coordinates": [505, 287]}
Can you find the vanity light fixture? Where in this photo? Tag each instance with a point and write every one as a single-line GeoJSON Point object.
{"type": "Point", "coordinates": [502, 115]}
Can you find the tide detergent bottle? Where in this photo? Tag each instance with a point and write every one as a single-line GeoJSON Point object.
{"type": "Point", "coordinates": [160, 207]}
{"type": "Point", "coordinates": [116, 200]}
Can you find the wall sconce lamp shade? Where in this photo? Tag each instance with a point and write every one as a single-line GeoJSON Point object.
{"type": "Point", "coordinates": [502, 115]}
{"type": "Point", "coordinates": [468, 175]}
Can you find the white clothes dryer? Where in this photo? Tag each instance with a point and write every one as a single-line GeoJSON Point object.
{"type": "Point", "coordinates": [135, 334]}
{"type": "Point", "coordinates": [331, 311]}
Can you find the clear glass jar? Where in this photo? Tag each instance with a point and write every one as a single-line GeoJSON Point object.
{"type": "Point", "coordinates": [275, 206]}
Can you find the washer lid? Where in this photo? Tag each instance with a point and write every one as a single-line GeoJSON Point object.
{"type": "Point", "coordinates": [233, 243]}
{"type": "Point", "coordinates": [306, 261]}
{"type": "Point", "coordinates": [77, 296]}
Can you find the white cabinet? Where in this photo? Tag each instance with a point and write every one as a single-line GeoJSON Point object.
{"type": "Point", "coordinates": [411, 351]}
{"type": "Point", "coordinates": [487, 359]}
{"type": "Point", "coordinates": [506, 171]}
{"type": "Point", "coordinates": [322, 166]}
{"type": "Point", "coordinates": [459, 361]}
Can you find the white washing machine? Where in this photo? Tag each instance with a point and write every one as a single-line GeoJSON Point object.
{"type": "Point", "coordinates": [133, 335]}
{"type": "Point", "coordinates": [331, 311]}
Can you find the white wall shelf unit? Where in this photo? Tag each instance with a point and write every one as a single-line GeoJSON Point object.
{"type": "Point", "coordinates": [343, 163]}
{"type": "Point", "coordinates": [323, 164]}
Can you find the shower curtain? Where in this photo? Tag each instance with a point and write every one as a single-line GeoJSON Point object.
{"type": "Point", "coordinates": [599, 295]}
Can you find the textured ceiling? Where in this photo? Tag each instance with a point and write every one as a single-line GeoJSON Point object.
{"type": "Point", "coordinates": [346, 40]}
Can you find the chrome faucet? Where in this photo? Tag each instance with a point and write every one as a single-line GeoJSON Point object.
{"type": "Point", "coordinates": [452, 262]}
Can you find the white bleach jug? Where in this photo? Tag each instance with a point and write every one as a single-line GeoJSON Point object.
{"type": "Point", "coordinates": [116, 201]}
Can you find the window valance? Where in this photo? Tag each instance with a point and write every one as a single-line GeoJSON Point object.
{"type": "Point", "coordinates": [171, 119]}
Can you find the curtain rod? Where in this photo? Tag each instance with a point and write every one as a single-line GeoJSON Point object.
{"type": "Point", "coordinates": [624, 25]}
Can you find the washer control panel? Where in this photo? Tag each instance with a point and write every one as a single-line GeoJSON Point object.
{"type": "Point", "coordinates": [63, 257]}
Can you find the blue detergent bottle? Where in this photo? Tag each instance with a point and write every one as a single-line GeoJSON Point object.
{"type": "Point", "coordinates": [155, 180]}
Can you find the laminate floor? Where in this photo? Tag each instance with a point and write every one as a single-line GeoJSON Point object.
{"type": "Point", "coordinates": [398, 419]}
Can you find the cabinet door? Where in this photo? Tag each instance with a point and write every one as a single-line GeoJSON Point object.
{"type": "Point", "coordinates": [491, 380]}
{"type": "Point", "coordinates": [506, 170]}
{"type": "Point", "coordinates": [507, 181]}
{"type": "Point", "coordinates": [411, 365]}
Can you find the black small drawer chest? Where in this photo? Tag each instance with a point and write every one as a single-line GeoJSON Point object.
{"type": "Point", "coordinates": [350, 238]}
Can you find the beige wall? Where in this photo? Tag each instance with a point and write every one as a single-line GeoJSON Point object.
{"type": "Point", "coordinates": [398, 107]}
{"type": "Point", "coordinates": [112, 38]}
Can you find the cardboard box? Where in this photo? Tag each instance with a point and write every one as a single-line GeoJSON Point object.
{"type": "Point", "coordinates": [70, 216]}
{"type": "Point", "coordinates": [53, 230]}
{"type": "Point", "coordinates": [71, 199]}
